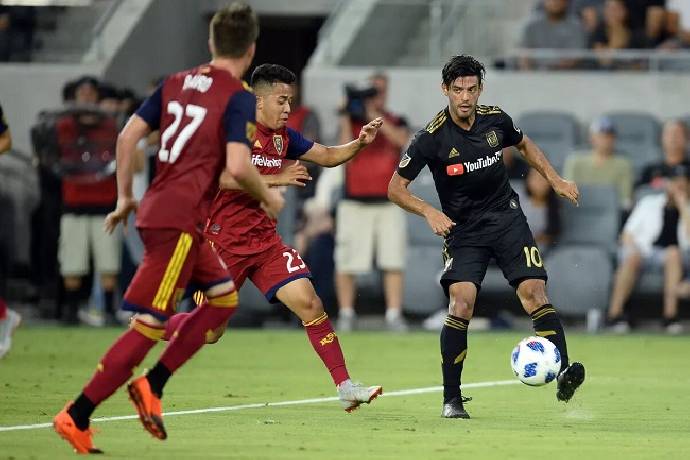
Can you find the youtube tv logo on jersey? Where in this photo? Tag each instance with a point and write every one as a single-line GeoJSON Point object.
{"type": "Point", "coordinates": [455, 170]}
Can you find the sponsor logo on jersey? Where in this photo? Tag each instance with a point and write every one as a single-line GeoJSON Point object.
{"type": "Point", "coordinates": [455, 170]}
{"type": "Point", "coordinates": [453, 153]}
{"type": "Point", "coordinates": [257, 144]}
{"type": "Point", "coordinates": [404, 161]}
{"type": "Point", "coordinates": [278, 142]}
{"type": "Point", "coordinates": [516, 128]}
{"type": "Point", "coordinates": [492, 139]}
{"type": "Point", "coordinates": [201, 83]}
{"type": "Point", "coordinates": [513, 204]}
{"type": "Point", "coordinates": [260, 160]}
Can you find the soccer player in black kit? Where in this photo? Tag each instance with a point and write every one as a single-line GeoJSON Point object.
{"type": "Point", "coordinates": [480, 219]}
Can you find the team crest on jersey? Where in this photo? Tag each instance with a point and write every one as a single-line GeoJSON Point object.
{"type": "Point", "coordinates": [453, 153]}
{"type": "Point", "coordinates": [278, 142]}
{"type": "Point", "coordinates": [492, 138]}
{"type": "Point", "coordinates": [404, 161]}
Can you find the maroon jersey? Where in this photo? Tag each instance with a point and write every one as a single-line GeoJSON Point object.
{"type": "Point", "coordinates": [236, 222]}
{"type": "Point", "coordinates": [198, 111]}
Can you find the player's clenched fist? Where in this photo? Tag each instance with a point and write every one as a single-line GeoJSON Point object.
{"type": "Point", "coordinates": [368, 132]}
{"type": "Point", "coordinates": [273, 203]}
{"type": "Point", "coordinates": [439, 222]}
{"type": "Point", "coordinates": [122, 209]}
{"type": "Point", "coordinates": [567, 189]}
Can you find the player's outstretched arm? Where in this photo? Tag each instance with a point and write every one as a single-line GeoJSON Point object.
{"type": "Point", "coordinates": [135, 130]}
{"type": "Point", "coordinates": [240, 167]}
{"type": "Point", "coordinates": [294, 174]}
{"type": "Point", "coordinates": [339, 154]}
{"type": "Point", "coordinates": [536, 158]}
{"type": "Point", "coordinates": [399, 194]}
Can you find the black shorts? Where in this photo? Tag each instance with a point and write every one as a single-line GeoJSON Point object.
{"type": "Point", "coordinates": [510, 243]}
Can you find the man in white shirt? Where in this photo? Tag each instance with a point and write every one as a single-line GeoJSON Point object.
{"type": "Point", "coordinates": [656, 235]}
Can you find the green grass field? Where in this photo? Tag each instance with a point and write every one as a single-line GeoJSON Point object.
{"type": "Point", "coordinates": [633, 405]}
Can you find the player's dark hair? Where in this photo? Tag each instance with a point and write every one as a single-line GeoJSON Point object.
{"type": "Point", "coordinates": [268, 74]}
{"type": "Point", "coordinates": [462, 66]}
{"type": "Point", "coordinates": [233, 30]}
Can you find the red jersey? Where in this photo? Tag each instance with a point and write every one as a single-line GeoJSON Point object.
{"type": "Point", "coordinates": [237, 223]}
{"type": "Point", "coordinates": [198, 111]}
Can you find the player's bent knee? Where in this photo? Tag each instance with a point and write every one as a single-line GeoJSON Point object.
{"type": "Point", "coordinates": [462, 308]}
{"type": "Point", "coordinates": [532, 293]}
{"type": "Point", "coordinates": [220, 289]}
{"type": "Point", "coordinates": [148, 326]}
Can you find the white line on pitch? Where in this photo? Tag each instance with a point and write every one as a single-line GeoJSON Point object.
{"type": "Point", "coordinates": [411, 391]}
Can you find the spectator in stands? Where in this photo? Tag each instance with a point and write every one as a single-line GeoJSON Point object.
{"type": "Point", "coordinates": [646, 18]}
{"type": "Point", "coordinates": [601, 166]}
{"type": "Point", "coordinates": [677, 24]}
{"type": "Point", "coordinates": [656, 236]}
{"type": "Point", "coordinates": [674, 139]}
{"type": "Point", "coordinates": [9, 319]}
{"type": "Point", "coordinates": [5, 34]}
{"type": "Point", "coordinates": [556, 30]}
{"type": "Point", "coordinates": [87, 198]}
{"type": "Point", "coordinates": [541, 207]}
{"type": "Point", "coordinates": [613, 32]}
{"type": "Point", "coordinates": [366, 221]}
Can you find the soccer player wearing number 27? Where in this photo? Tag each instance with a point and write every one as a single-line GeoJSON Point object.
{"type": "Point", "coordinates": [248, 241]}
{"type": "Point", "coordinates": [207, 119]}
{"type": "Point", "coordinates": [480, 219]}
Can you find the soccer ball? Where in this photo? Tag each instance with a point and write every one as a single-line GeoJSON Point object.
{"type": "Point", "coordinates": [535, 361]}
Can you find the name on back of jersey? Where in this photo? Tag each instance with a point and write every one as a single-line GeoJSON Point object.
{"type": "Point", "coordinates": [200, 83]}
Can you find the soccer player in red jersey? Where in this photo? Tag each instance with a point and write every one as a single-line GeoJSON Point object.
{"type": "Point", "coordinates": [248, 241]}
{"type": "Point", "coordinates": [207, 121]}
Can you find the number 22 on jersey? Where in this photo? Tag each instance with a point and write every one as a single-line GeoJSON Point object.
{"type": "Point", "coordinates": [175, 109]}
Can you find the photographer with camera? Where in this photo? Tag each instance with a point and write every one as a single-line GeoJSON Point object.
{"type": "Point", "coordinates": [366, 220]}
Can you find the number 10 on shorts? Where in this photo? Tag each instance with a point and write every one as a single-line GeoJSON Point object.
{"type": "Point", "coordinates": [532, 256]}
{"type": "Point", "coordinates": [292, 264]}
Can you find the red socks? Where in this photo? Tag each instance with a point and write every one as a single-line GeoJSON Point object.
{"type": "Point", "coordinates": [194, 330]}
{"type": "Point", "coordinates": [119, 362]}
{"type": "Point", "coordinates": [325, 343]}
{"type": "Point", "coordinates": [3, 309]}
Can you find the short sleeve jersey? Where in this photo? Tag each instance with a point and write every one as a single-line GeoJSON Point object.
{"type": "Point", "coordinates": [198, 112]}
{"type": "Point", "coordinates": [237, 223]}
{"type": "Point", "coordinates": [467, 165]}
{"type": "Point", "coordinates": [3, 122]}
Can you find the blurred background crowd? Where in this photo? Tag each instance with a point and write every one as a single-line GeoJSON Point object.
{"type": "Point", "coordinates": [618, 261]}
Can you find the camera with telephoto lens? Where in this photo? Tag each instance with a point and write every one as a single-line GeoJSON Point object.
{"type": "Point", "coordinates": [355, 98]}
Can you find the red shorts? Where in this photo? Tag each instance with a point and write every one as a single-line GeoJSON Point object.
{"type": "Point", "coordinates": [172, 259]}
{"type": "Point", "coordinates": [269, 269]}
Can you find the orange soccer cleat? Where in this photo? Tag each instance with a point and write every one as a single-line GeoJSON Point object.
{"type": "Point", "coordinates": [148, 406]}
{"type": "Point", "coordinates": [81, 440]}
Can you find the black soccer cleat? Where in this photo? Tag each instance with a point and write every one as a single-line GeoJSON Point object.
{"type": "Point", "coordinates": [455, 408]}
{"type": "Point", "coordinates": [569, 380]}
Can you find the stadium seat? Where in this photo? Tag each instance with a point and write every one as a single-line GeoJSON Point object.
{"type": "Point", "coordinates": [638, 135]}
{"type": "Point", "coordinates": [596, 221]}
{"type": "Point", "coordinates": [555, 132]}
{"type": "Point", "coordinates": [580, 279]}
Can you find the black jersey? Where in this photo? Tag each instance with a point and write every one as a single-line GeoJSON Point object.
{"type": "Point", "coordinates": [467, 165]}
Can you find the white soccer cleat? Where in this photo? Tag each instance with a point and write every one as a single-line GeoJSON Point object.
{"type": "Point", "coordinates": [7, 327]}
{"type": "Point", "coordinates": [352, 394]}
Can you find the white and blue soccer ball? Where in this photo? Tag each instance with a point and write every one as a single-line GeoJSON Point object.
{"type": "Point", "coordinates": [535, 361]}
